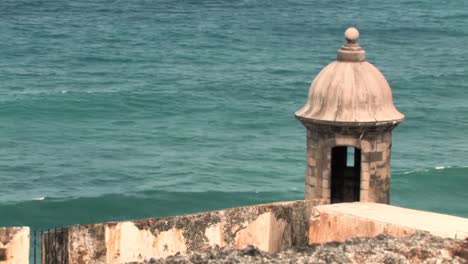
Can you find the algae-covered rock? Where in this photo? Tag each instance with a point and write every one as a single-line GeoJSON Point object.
{"type": "Point", "coordinates": [415, 248]}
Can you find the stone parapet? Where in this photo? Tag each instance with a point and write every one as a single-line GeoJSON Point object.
{"type": "Point", "coordinates": [339, 222]}
{"type": "Point", "coordinates": [270, 227]}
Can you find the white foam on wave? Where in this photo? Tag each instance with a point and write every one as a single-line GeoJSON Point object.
{"type": "Point", "coordinates": [415, 171]}
{"type": "Point", "coordinates": [440, 167]}
{"type": "Point", "coordinates": [39, 198]}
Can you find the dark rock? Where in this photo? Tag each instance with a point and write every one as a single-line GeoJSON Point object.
{"type": "Point", "coordinates": [250, 251]}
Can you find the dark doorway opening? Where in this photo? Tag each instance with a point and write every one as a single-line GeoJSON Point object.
{"type": "Point", "coordinates": [345, 174]}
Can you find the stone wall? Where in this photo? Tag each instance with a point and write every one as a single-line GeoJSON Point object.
{"type": "Point", "coordinates": [375, 145]}
{"type": "Point", "coordinates": [270, 227]}
{"type": "Point", "coordinates": [14, 245]}
{"type": "Point", "coordinates": [339, 222]}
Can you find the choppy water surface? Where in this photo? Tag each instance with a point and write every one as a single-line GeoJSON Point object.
{"type": "Point", "coordinates": [127, 109]}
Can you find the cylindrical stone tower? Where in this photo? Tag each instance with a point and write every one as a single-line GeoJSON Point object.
{"type": "Point", "coordinates": [349, 116]}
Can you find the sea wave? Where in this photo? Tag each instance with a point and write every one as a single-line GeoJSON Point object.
{"type": "Point", "coordinates": [52, 212]}
{"type": "Point", "coordinates": [429, 169]}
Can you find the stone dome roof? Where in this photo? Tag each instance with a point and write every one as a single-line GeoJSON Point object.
{"type": "Point", "coordinates": [350, 91]}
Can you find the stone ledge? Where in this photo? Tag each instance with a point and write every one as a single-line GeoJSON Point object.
{"type": "Point", "coordinates": [338, 222]}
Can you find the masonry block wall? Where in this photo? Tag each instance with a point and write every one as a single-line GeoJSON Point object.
{"type": "Point", "coordinates": [270, 227]}
{"type": "Point", "coordinates": [374, 144]}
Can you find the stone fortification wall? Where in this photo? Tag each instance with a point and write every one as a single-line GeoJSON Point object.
{"type": "Point", "coordinates": [338, 222]}
{"type": "Point", "coordinates": [270, 227]}
{"type": "Point", "coordinates": [14, 245]}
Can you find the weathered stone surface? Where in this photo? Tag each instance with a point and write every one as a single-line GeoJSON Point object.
{"type": "Point", "coordinates": [415, 248]}
{"type": "Point", "coordinates": [270, 227]}
{"type": "Point", "coordinates": [86, 244]}
{"type": "Point", "coordinates": [374, 143]}
{"type": "Point", "coordinates": [338, 222]}
{"type": "Point", "coordinates": [14, 245]}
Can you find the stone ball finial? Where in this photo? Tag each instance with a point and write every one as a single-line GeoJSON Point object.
{"type": "Point", "coordinates": [351, 34]}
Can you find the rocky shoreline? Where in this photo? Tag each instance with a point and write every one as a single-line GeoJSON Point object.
{"type": "Point", "coordinates": [416, 248]}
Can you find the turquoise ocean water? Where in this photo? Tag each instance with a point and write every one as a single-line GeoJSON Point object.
{"type": "Point", "coordinates": [126, 109]}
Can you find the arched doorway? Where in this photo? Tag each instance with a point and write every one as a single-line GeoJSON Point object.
{"type": "Point", "coordinates": [345, 174]}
